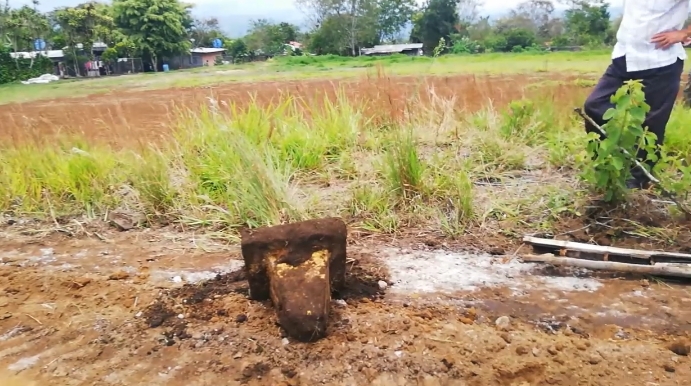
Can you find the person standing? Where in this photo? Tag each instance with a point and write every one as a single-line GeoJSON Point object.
{"type": "Point", "coordinates": [649, 48]}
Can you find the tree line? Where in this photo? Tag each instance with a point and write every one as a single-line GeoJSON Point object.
{"type": "Point", "coordinates": [342, 27]}
{"type": "Point", "coordinates": [159, 29]}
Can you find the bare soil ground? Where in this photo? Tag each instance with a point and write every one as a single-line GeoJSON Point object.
{"type": "Point", "coordinates": [168, 307]}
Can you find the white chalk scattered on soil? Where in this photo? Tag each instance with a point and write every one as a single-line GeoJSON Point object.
{"type": "Point", "coordinates": [47, 255]}
{"type": "Point", "coordinates": [24, 363]}
{"type": "Point", "coordinates": [11, 333]}
{"type": "Point", "coordinates": [447, 272]}
{"type": "Point", "coordinates": [192, 277]}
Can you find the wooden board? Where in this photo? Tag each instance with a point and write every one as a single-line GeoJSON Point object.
{"type": "Point", "coordinates": [573, 249]}
{"type": "Point", "coordinates": [668, 270]}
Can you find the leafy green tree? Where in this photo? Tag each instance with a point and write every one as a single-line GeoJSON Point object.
{"type": "Point", "coordinates": [416, 21]}
{"type": "Point", "coordinates": [158, 28]}
{"type": "Point", "coordinates": [533, 15]}
{"type": "Point", "coordinates": [4, 15]}
{"type": "Point", "coordinates": [331, 37]}
{"type": "Point", "coordinates": [362, 23]}
{"type": "Point", "coordinates": [237, 48]}
{"type": "Point", "coordinates": [480, 30]}
{"type": "Point", "coordinates": [438, 21]}
{"type": "Point", "coordinates": [519, 37]}
{"type": "Point", "coordinates": [84, 24]}
{"type": "Point", "coordinates": [270, 38]}
{"type": "Point", "coordinates": [110, 55]}
{"type": "Point", "coordinates": [392, 16]}
{"type": "Point", "coordinates": [205, 30]}
{"type": "Point", "coordinates": [362, 27]}
{"type": "Point", "coordinates": [287, 32]}
{"type": "Point", "coordinates": [22, 26]}
{"type": "Point", "coordinates": [496, 43]}
{"type": "Point", "coordinates": [588, 24]}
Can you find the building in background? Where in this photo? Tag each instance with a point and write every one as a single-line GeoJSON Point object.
{"type": "Point", "coordinates": [203, 56]}
{"type": "Point", "coordinates": [413, 49]}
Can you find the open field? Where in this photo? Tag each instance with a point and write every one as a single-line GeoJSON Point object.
{"type": "Point", "coordinates": [119, 257]}
{"type": "Point", "coordinates": [302, 68]}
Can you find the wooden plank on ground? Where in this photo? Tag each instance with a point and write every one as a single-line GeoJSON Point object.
{"type": "Point", "coordinates": [652, 256]}
{"type": "Point", "coordinates": [669, 270]}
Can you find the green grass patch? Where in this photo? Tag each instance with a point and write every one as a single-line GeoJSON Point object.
{"type": "Point", "coordinates": [318, 67]}
{"type": "Point", "coordinates": [228, 167]}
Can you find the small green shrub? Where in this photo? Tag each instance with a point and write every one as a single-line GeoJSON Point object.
{"type": "Point", "coordinates": [13, 70]}
{"type": "Point", "coordinates": [611, 167]}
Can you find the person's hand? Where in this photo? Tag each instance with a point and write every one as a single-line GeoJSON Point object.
{"type": "Point", "coordinates": [687, 42]}
{"type": "Point", "coordinates": [664, 40]}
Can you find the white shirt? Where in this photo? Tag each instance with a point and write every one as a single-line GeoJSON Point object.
{"type": "Point", "coordinates": [641, 20]}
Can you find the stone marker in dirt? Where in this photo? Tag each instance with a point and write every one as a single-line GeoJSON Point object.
{"type": "Point", "coordinates": [296, 266]}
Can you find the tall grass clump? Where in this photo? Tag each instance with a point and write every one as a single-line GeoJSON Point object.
{"type": "Point", "coordinates": [246, 166]}
{"type": "Point", "coordinates": [519, 123]}
{"type": "Point", "coordinates": [402, 167]}
{"type": "Point", "coordinates": [69, 177]}
{"type": "Point", "coordinates": [154, 179]}
{"type": "Point", "coordinates": [491, 151]}
{"type": "Point", "coordinates": [233, 172]}
{"type": "Point", "coordinates": [321, 134]}
{"type": "Point", "coordinates": [225, 165]}
{"type": "Point", "coordinates": [419, 185]}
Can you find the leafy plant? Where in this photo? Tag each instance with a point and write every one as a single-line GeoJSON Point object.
{"type": "Point", "coordinates": [611, 167]}
{"type": "Point", "coordinates": [13, 70]}
{"type": "Point", "coordinates": [440, 48]}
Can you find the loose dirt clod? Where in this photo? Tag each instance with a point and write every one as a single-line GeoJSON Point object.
{"type": "Point", "coordinates": [594, 359]}
{"type": "Point", "coordinates": [296, 265]}
{"type": "Point", "coordinates": [120, 275]}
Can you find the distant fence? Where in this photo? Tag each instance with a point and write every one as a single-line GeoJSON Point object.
{"type": "Point", "coordinates": [247, 59]}
{"type": "Point", "coordinates": [126, 66]}
{"type": "Point", "coordinates": [183, 62]}
{"type": "Point", "coordinates": [193, 61]}
{"type": "Point", "coordinates": [120, 67]}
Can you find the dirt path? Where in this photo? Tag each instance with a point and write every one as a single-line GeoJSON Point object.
{"type": "Point", "coordinates": [162, 308]}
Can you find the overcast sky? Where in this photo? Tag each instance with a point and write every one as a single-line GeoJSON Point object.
{"type": "Point", "coordinates": [258, 7]}
{"type": "Point", "coordinates": [235, 15]}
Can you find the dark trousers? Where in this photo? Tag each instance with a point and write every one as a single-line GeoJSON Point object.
{"type": "Point", "coordinates": [661, 86]}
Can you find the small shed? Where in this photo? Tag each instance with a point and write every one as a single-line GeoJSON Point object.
{"type": "Point", "coordinates": [413, 49]}
{"type": "Point", "coordinates": [203, 56]}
